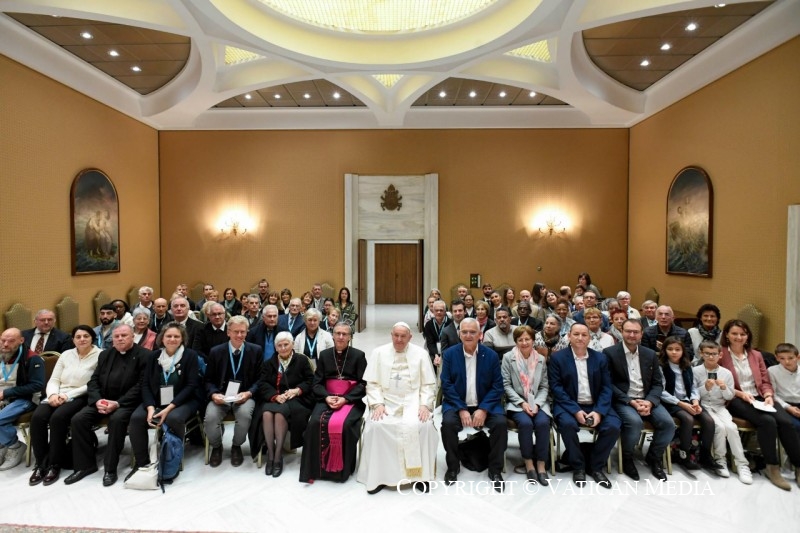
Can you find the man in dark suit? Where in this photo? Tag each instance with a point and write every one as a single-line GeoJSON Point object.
{"type": "Point", "coordinates": [292, 321]}
{"type": "Point", "coordinates": [451, 330]}
{"type": "Point", "coordinates": [581, 387]}
{"type": "Point", "coordinates": [525, 319]}
{"type": "Point", "coordinates": [472, 392]}
{"type": "Point", "coordinates": [114, 391]}
{"type": "Point", "coordinates": [637, 384]}
{"type": "Point", "coordinates": [233, 368]}
{"type": "Point", "coordinates": [45, 337]}
{"type": "Point", "coordinates": [653, 336]}
{"type": "Point", "coordinates": [263, 333]}
{"type": "Point", "coordinates": [433, 331]}
{"type": "Point", "coordinates": [160, 315]}
{"type": "Point", "coordinates": [590, 300]}
{"type": "Point", "coordinates": [648, 314]}
{"type": "Point", "coordinates": [213, 332]}
{"type": "Point", "coordinates": [180, 312]}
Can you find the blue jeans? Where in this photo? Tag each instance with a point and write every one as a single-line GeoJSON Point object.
{"type": "Point", "coordinates": [8, 414]}
{"type": "Point", "coordinates": [632, 424]}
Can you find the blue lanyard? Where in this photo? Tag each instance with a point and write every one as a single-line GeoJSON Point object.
{"type": "Point", "coordinates": [234, 367]}
{"type": "Point", "coordinates": [169, 373]}
{"type": "Point", "coordinates": [312, 347]}
{"type": "Point", "coordinates": [439, 329]}
{"type": "Point", "coordinates": [8, 374]}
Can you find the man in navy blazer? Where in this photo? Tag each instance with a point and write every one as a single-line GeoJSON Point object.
{"type": "Point", "coordinates": [637, 383]}
{"type": "Point", "coordinates": [55, 340]}
{"type": "Point", "coordinates": [292, 321]}
{"type": "Point", "coordinates": [581, 387]}
{"type": "Point", "coordinates": [476, 404]}
{"type": "Point", "coordinates": [263, 333]}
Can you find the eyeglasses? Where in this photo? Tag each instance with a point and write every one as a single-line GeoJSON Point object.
{"type": "Point", "coordinates": [710, 354]}
{"type": "Point", "coordinates": [468, 332]}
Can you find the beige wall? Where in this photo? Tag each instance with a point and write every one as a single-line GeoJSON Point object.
{"type": "Point", "coordinates": [491, 183]}
{"type": "Point", "coordinates": [743, 130]}
{"type": "Point", "coordinates": [49, 133]}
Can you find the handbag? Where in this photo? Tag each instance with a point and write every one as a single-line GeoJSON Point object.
{"type": "Point", "coordinates": [146, 477]}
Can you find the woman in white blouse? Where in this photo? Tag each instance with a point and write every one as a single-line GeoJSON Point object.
{"type": "Point", "coordinates": [66, 395]}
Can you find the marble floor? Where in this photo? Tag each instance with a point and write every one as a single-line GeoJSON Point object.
{"type": "Point", "coordinates": [243, 499]}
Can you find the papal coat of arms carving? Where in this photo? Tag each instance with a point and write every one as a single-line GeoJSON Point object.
{"type": "Point", "coordinates": [391, 199]}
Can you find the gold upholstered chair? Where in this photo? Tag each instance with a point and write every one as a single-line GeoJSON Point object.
{"type": "Point", "coordinates": [18, 316]}
{"type": "Point", "coordinates": [67, 314]}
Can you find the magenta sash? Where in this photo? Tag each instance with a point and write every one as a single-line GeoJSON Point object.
{"type": "Point", "coordinates": [333, 456]}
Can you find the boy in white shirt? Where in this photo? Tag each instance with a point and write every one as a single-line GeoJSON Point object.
{"type": "Point", "coordinates": [715, 385]}
{"type": "Point", "coordinates": [786, 381]}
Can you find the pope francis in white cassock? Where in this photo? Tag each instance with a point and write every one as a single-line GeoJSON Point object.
{"type": "Point", "coordinates": [399, 441]}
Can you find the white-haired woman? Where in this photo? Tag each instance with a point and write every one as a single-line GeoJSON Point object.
{"type": "Point", "coordinates": [312, 340]}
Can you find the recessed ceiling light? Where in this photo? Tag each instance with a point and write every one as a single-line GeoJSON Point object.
{"type": "Point", "coordinates": [277, 97]}
{"type": "Point", "coordinates": [306, 96]}
{"type": "Point", "coordinates": [473, 94]}
{"type": "Point", "coordinates": [502, 94]}
{"type": "Point", "coordinates": [336, 95]}
{"type": "Point", "coordinates": [644, 63]}
{"type": "Point", "coordinates": [691, 27]}
{"type": "Point", "coordinates": [86, 35]}
{"type": "Point", "coordinates": [113, 53]}
{"type": "Point", "coordinates": [248, 96]}
{"type": "Point", "coordinates": [532, 94]}
{"type": "Point", "coordinates": [136, 68]}
{"type": "Point", "coordinates": [442, 94]}
{"type": "Point", "coordinates": [666, 46]}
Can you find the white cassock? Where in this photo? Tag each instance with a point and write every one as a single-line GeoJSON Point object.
{"type": "Point", "coordinates": [399, 448]}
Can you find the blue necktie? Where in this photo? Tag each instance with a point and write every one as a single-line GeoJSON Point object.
{"type": "Point", "coordinates": [269, 346]}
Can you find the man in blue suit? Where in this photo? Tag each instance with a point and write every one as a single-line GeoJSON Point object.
{"type": "Point", "coordinates": [263, 333]}
{"type": "Point", "coordinates": [472, 390]}
{"type": "Point", "coordinates": [580, 383]}
{"type": "Point", "coordinates": [292, 321]}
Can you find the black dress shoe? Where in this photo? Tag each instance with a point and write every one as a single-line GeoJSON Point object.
{"type": "Point", "coordinates": [658, 470]}
{"type": "Point", "coordinates": [109, 478]}
{"type": "Point", "coordinates": [531, 475]}
{"type": "Point", "coordinates": [277, 468]}
{"type": "Point", "coordinates": [451, 476]}
{"type": "Point", "coordinates": [216, 457]}
{"type": "Point", "coordinates": [377, 489]}
{"type": "Point", "coordinates": [268, 468]}
{"type": "Point", "coordinates": [37, 476]}
{"type": "Point", "coordinates": [543, 478]}
{"type": "Point", "coordinates": [52, 475]}
{"type": "Point", "coordinates": [236, 456]}
{"type": "Point", "coordinates": [601, 479]}
{"type": "Point", "coordinates": [497, 482]}
{"type": "Point", "coordinates": [629, 468]}
{"type": "Point", "coordinates": [79, 475]}
{"type": "Point", "coordinates": [579, 477]}
{"type": "Point", "coordinates": [422, 487]}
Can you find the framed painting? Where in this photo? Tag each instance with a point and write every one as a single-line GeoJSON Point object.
{"type": "Point", "coordinates": [690, 204]}
{"type": "Point", "coordinates": [94, 209]}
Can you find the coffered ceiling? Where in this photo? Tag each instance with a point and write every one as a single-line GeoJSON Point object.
{"type": "Point", "coordinates": [331, 64]}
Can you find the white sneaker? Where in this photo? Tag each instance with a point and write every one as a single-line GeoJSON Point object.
{"type": "Point", "coordinates": [722, 469]}
{"type": "Point", "coordinates": [745, 476]}
{"type": "Point", "coordinates": [14, 456]}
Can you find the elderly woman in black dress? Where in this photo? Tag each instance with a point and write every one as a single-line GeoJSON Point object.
{"type": "Point", "coordinates": [285, 390]}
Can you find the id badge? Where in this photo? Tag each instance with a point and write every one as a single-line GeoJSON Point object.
{"type": "Point", "coordinates": [439, 348]}
{"type": "Point", "coordinates": [233, 389]}
{"type": "Point", "coordinates": [167, 394]}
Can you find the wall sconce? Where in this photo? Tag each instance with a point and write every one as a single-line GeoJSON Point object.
{"type": "Point", "coordinates": [552, 225]}
{"type": "Point", "coordinates": [234, 223]}
{"type": "Point", "coordinates": [233, 228]}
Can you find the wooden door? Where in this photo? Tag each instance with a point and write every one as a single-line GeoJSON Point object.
{"type": "Point", "coordinates": [421, 296]}
{"type": "Point", "coordinates": [396, 274]}
{"type": "Point", "coordinates": [361, 290]}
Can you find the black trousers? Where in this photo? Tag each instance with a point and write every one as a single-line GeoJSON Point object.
{"type": "Point", "coordinates": [769, 428]}
{"type": "Point", "coordinates": [498, 439]}
{"type": "Point", "coordinates": [138, 428]}
{"type": "Point", "coordinates": [686, 426]}
{"type": "Point", "coordinates": [83, 438]}
{"type": "Point", "coordinates": [58, 418]}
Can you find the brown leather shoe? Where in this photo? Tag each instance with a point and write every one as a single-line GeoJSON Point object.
{"type": "Point", "coordinates": [52, 475]}
{"type": "Point", "coordinates": [216, 457]}
{"type": "Point", "coordinates": [236, 456]}
{"type": "Point", "coordinates": [36, 477]}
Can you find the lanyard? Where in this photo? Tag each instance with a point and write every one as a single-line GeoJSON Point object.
{"type": "Point", "coordinates": [234, 367]}
{"type": "Point", "coordinates": [312, 347]}
{"type": "Point", "coordinates": [169, 372]}
{"type": "Point", "coordinates": [439, 329]}
{"type": "Point", "coordinates": [7, 375]}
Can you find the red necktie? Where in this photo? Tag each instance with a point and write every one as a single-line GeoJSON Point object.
{"type": "Point", "coordinates": [40, 344]}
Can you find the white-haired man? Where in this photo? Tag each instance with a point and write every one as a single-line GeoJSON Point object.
{"type": "Point", "coordinates": [400, 441]}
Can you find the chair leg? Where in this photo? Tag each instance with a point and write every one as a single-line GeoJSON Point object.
{"type": "Point", "coordinates": [619, 454]}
